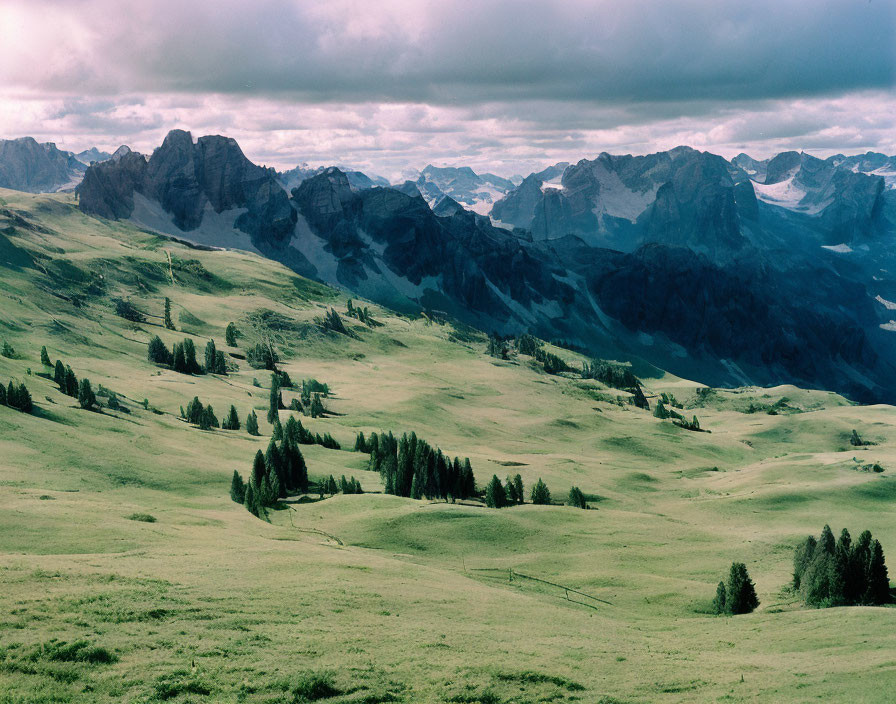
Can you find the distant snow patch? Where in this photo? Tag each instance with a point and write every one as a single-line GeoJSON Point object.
{"type": "Point", "coordinates": [889, 305]}
{"type": "Point", "coordinates": [787, 194]}
{"type": "Point", "coordinates": [842, 248]}
{"type": "Point", "coordinates": [891, 326]}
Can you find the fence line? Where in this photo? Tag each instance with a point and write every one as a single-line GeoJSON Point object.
{"type": "Point", "coordinates": [511, 574]}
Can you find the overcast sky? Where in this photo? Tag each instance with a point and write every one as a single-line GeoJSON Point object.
{"type": "Point", "coordinates": [506, 86]}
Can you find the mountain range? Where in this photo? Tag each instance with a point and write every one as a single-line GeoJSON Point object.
{"type": "Point", "coordinates": [731, 272]}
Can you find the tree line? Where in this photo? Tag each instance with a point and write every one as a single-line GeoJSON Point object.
{"type": "Point", "coordinates": [68, 384]}
{"type": "Point", "coordinates": [343, 486]}
{"type": "Point", "coordinates": [410, 466]}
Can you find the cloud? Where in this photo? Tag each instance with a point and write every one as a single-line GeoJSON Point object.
{"type": "Point", "coordinates": [497, 84]}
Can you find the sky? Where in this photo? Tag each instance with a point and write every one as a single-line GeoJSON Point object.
{"type": "Point", "coordinates": [498, 85]}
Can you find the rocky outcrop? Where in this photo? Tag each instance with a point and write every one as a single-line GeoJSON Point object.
{"type": "Point", "coordinates": [28, 166]}
{"type": "Point", "coordinates": [184, 178]}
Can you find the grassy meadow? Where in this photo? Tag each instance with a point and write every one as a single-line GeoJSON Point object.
{"type": "Point", "coordinates": [127, 574]}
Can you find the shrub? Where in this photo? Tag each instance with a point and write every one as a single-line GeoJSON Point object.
{"type": "Point", "coordinates": [142, 517]}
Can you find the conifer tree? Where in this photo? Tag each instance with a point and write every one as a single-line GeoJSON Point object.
{"type": "Point", "coordinates": [877, 591]}
{"type": "Point", "coordinates": [495, 496]}
{"type": "Point", "coordinates": [274, 401]}
{"type": "Point", "coordinates": [719, 602]}
{"type": "Point", "coordinates": [232, 421]}
{"type": "Point", "coordinates": [840, 573]}
{"type": "Point", "coordinates": [273, 460]}
{"type": "Point", "coordinates": [71, 383]}
{"type": "Point", "coordinates": [157, 353]}
{"type": "Point", "coordinates": [518, 489]}
{"type": "Point", "coordinates": [360, 443]}
{"type": "Point", "coordinates": [251, 499]}
{"type": "Point", "coordinates": [277, 430]}
{"type": "Point", "coordinates": [230, 335]}
{"type": "Point", "coordinates": [237, 488]}
{"type": "Point", "coordinates": [208, 419]}
{"type": "Point", "coordinates": [469, 482]}
{"type": "Point", "coordinates": [59, 375]}
{"type": "Point", "coordinates": [178, 360]}
{"type": "Point", "coordinates": [331, 485]}
{"type": "Point", "coordinates": [168, 322]}
{"type": "Point", "coordinates": [190, 363]}
{"type": "Point", "coordinates": [860, 556]}
{"type": "Point", "coordinates": [740, 594]}
{"type": "Point", "coordinates": [220, 363]}
{"type": "Point", "coordinates": [4, 395]}
{"type": "Point", "coordinates": [576, 498]}
{"type": "Point", "coordinates": [252, 423]}
{"type": "Point", "coordinates": [317, 406]}
{"type": "Point", "coordinates": [44, 357]}
{"type": "Point", "coordinates": [343, 485]}
{"type": "Point", "coordinates": [277, 490]}
{"type": "Point", "coordinates": [194, 411]}
{"type": "Point", "coordinates": [259, 469]}
{"type": "Point", "coordinates": [211, 357]}
{"type": "Point", "coordinates": [660, 411]}
{"type": "Point", "coordinates": [801, 559]}
{"type": "Point", "coordinates": [86, 397]}
{"type": "Point", "coordinates": [540, 493]}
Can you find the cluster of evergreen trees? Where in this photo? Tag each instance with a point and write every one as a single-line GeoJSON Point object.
{"type": "Point", "coordinates": [183, 357]}
{"type": "Point", "coordinates": [842, 572]}
{"type": "Point", "coordinates": [411, 467]}
{"type": "Point", "coordinates": [361, 314]}
{"type": "Point", "coordinates": [8, 351]}
{"type": "Point", "coordinates": [498, 495]}
{"type": "Point", "coordinates": [231, 333]}
{"type": "Point", "coordinates": [68, 384]}
{"type": "Point", "coordinates": [497, 348]}
{"type": "Point", "coordinates": [305, 436]}
{"type": "Point", "coordinates": [203, 416]}
{"type": "Point", "coordinates": [16, 396]}
{"type": "Point", "coordinates": [576, 498]}
{"type": "Point", "coordinates": [616, 376]}
{"type": "Point", "coordinates": [281, 470]}
{"type": "Point", "coordinates": [738, 595]}
{"type": "Point", "coordinates": [344, 486]}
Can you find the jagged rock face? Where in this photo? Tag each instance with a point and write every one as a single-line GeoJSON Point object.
{"type": "Point", "coordinates": [753, 168]}
{"type": "Point", "coordinates": [108, 187]}
{"type": "Point", "coordinates": [183, 178]}
{"type": "Point", "coordinates": [847, 204]}
{"type": "Point", "coordinates": [696, 207]}
{"type": "Point", "coordinates": [28, 166]}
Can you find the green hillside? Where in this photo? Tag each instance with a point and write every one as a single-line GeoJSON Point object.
{"type": "Point", "coordinates": [128, 574]}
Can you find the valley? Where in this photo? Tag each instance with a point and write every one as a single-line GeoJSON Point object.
{"type": "Point", "coordinates": [117, 531]}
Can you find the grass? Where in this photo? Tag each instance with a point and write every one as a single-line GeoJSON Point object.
{"type": "Point", "coordinates": [384, 598]}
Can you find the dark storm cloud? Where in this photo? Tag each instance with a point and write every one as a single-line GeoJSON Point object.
{"type": "Point", "coordinates": [464, 52]}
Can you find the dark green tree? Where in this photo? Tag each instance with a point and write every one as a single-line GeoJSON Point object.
{"type": "Point", "coordinates": [252, 423]}
{"type": "Point", "coordinates": [158, 353]}
{"type": "Point", "coordinates": [275, 401]}
{"type": "Point", "coordinates": [208, 419]}
{"type": "Point", "coordinates": [71, 383]}
{"type": "Point", "coordinates": [317, 406]}
{"type": "Point", "coordinates": [576, 498]}
{"type": "Point", "coordinates": [495, 496]}
{"type": "Point", "coordinates": [211, 357]}
{"type": "Point", "coordinates": [230, 335]}
{"type": "Point", "coordinates": [44, 357]}
{"type": "Point", "coordinates": [877, 591]}
{"type": "Point", "coordinates": [251, 499]}
{"type": "Point", "coordinates": [259, 468]}
{"type": "Point", "coordinates": [178, 360]}
{"type": "Point", "coordinates": [801, 559]}
{"type": "Point", "coordinates": [194, 411]}
{"type": "Point", "coordinates": [168, 322]}
{"type": "Point", "coordinates": [237, 488]}
{"type": "Point", "coordinates": [232, 421]}
{"type": "Point", "coordinates": [540, 493]}
{"type": "Point", "coordinates": [59, 375]}
{"type": "Point", "coordinates": [740, 593]}
{"type": "Point", "coordinates": [86, 397]}
{"type": "Point", "coordinates": [192, 366]}
{"type": "Point", "coordinates": [719, 602]}
{"type": "Point", "coordinates": [660, 411]}
{"type": "Point", "coordinates": [518, 489]}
